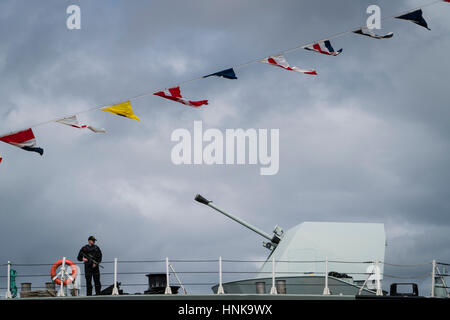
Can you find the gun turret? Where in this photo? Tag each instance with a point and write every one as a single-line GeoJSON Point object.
{"type": "Point", "coordinates": [274, 240]}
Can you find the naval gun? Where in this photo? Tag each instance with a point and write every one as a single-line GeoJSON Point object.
{"type": "Point", "coordinates": [274, 240]}
{"type": "Point", "coordinates": [302, 249]}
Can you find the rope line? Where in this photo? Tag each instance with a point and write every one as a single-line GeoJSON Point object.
{"type": "Point", "coordinates": [141, 261]}
{"type": "Point", "coordinates": [350, 262]}
{"type": "Point", "coordinates": [200, 272]}
{"type": "Point", "coordinates": [232, 261]}
{"type": "Point", "coordinates": [424, 276]}
{"type": "Point", "coordinates": [239, 272]}
{"type": "Point", "coordinates": [407, 265]}
{"type": "Point", "coordinates": [211, 284]}
{"type": "Point", "coordinates": [49, 264]}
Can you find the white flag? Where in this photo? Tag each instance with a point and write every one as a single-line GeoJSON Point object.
{"type": "Point", "coordinates": [73, 122]}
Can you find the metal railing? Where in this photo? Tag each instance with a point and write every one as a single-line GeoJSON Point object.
{"type": "Point", "coordinates": [437, 275]}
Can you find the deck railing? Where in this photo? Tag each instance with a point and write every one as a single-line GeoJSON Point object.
{"type": "Point", "coordinates": [116, 270]}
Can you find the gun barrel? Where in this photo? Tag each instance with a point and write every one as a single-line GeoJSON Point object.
{"type": "Point", "coordinates": [203, 200]}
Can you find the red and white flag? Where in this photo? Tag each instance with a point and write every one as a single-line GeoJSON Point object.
{"type": "Point", "coordinates": [324, 47]}
{"type": "Point", "coordinates": [23, 139]}
{"type": "Point", "coordinates": [280, 61]}
{"type": "Point", "coordinates": [73, 122]}
{"type": "Point", "coordinates": [175, 95]}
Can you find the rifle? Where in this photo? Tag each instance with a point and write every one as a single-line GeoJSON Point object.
{"type": "Point", "coordinates": [90, 257]}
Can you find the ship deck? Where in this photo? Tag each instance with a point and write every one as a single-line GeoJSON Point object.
{"type": "Point", "coordinates": [221, 297]}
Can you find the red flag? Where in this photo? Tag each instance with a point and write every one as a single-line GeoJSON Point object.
{"type": "Point", "coordinates": [23, 139]}
{"type": "Point", "coordinates": [175, 95]}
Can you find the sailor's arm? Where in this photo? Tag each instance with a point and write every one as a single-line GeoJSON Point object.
{"type": "Point", "coordinates": [80, 255]}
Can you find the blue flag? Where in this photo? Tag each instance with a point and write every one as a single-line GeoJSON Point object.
{"type": "Point", "coordinates": [416, 17]}
{"type": "Point", "coordinates": [227, 74]}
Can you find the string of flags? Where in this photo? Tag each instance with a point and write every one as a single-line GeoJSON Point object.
{"type": "Point", "coordinates": [26, 140]}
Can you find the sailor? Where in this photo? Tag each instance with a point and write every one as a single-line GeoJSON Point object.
{"type": "Point", "coordinates": [91, 255]}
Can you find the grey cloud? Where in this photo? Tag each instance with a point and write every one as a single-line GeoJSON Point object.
{"type": "Point", "coordinates": [367, 140]}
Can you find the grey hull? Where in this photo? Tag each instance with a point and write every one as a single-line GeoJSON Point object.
{"type": "Point", "coordinates": [305, 285]}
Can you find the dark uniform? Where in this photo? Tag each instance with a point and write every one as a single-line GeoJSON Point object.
{"type": "Point", "coordinates": [91, 252]}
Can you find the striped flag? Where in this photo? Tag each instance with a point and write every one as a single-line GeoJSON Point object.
{"type": "Point", "coordinates": [369, 33]}
{"type": "Point", "coordinates": [174, 94]}
{"type": "Point", "coordinates": [23, 139]}
{"type": "Point", "coordinates": [281, 62]}
{"type": "Point", "coordinates": [73, 122]}
{"type": "Point", "coordinates": [324, 47]}
{"type": "Point", "coordinates": [416, 17]}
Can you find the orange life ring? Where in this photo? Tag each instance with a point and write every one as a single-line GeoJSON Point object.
{"type": "Point", "coordinates": [70, 279]}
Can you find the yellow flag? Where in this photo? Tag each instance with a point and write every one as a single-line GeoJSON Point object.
{"type": "Point", "coordinates": [122, 109]}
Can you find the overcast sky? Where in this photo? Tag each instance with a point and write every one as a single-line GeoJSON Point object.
{"type": "Point", "coordinates": [365, 141]}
